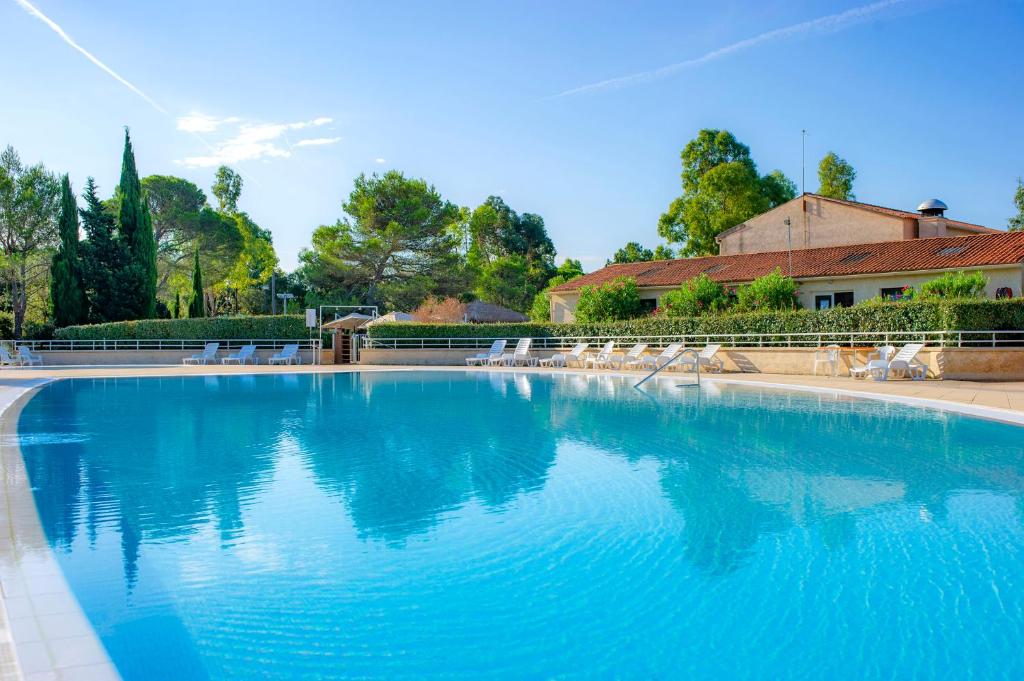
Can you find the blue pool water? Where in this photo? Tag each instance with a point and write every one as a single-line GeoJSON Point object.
{"type": "Point", "coordinates": [492, 525]}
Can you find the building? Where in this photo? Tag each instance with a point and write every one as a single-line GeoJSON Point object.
{"type": "Point", "coordinates": [843, 252]}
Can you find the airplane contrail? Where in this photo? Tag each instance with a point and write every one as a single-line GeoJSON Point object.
{"type": "Point", "coordinates": [830, 23]}
{"type": "Point", "coordinates": [31, 9]}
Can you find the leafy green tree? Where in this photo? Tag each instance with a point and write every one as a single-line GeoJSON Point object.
{"type": "Point", "coordinates": [136, 229]}
{"type": "Point", "coordinates": [540, 309]}
{"type": "Point", "coordinates": [698, 296]}
{"type": "Point", "coordinates": [67, 290]}
{"type": "Point", "coordinates": [773, 291]}
{"type": "Point", "coordinates": [721, 188]}
{"type": "Point", "coordinates": [196, 306]}
{"type": "Point", "coordinates": [955, 285]}
{"type": "Point", "coordinates": [506, 281]}
{"type": "Point", "coordinates": [29, 210]}
{"type": "Point", "coordinates": [396, 246]}
{"type": "Point", "coordinates": [1016, 223]}
{"type": "Point", "coordinates": [104, 261]}
{"type": "Point", "coordinates": [176, 306]}
{"type": "Point", "coordinates": [615, 300]}
{"type": "Point", "coordinates": [227, 187]}
{"type": "Point", "coordinates": [835, 177]}
{"type": "Point", "coordinates": [663, 252]}
{"type": "Point", "coordinates": [632, 252]}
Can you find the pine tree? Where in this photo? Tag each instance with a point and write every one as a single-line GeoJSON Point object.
{"type": "Point", "coordinates": [195, 305]}
{"type": "Point", "coordinates": [136, 230]}
{"type": "Point", "coordinates": [67, 289]}
{"type": "Point", "coordinates": [104, 262]}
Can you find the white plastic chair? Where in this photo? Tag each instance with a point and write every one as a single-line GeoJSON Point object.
{"type": "Point", "coordinates": [247, 353]}
{"type": "Point", "coordinates": [481, 358]}
{"type": "Point", "coordinates": [901, 365]}
{"type": "Point", "coordinates": [828, 356]}
{"type": "Point", "coordinates": [878, 358]}
{"type": "Point", "coordinates": [208, 353]}
{"type": "Point", "coordinates": [6, 359]}
{"type": "Point", "coordinates": [27, 358]}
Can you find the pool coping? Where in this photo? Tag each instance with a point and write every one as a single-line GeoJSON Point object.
{"type": "Point", "coordinates": [44, 633]}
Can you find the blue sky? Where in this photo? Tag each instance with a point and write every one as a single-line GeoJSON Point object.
{"type": "Point", "coordinates": [924, 97]}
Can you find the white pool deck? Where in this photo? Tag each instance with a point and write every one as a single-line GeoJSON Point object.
{"type": "Point", "coordinates": [43, 632]}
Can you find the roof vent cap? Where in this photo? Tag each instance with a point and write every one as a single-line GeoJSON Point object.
{"type": "Point", "coordinates": [932, 207]}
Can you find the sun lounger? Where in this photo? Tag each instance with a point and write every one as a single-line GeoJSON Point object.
{"type": "Point", "coordinates": [601, 359]}
{"type": "Point", "coordinates": [633, 358]}
{"type": "Point", "coordinates": [481, 358]}
{"type": "Point", "coordinates": [658, 361]}
{"type": "Point", "coordinates": [901, 365]}
{"type": "Point", "coordinates": [564, 359]}
{"type": "Point", "coordinates": [706, 358]}
{"type": "Point", "coordinates": [204, 357]}
{"type": "Point", "coordinates": [6, 359]}
{"type": "Point", "coordinates": [521, 355]}
{"type": "Point", "coordinates": [289, 355]}
{"type": "Point", "coordinates": [247, 353]}
{"type": "Point", "coordinates": [878, 358]}
{"type": "Point", "coordinates": [27, 358]}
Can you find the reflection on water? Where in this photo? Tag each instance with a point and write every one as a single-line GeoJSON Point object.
{"type": "Point", "coordinates": [388, 512]}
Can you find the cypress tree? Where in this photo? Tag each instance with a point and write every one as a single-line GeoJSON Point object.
{"type": "Point", "coordinates": [176, 309]}
{"type": "Point", "coordinates": [195, 305]}
{"type": "Point", "coordinates": [136, 230]}
{"type": "Point", "coordinates": [104, 262]}
{"type": "Point", "coordinates": [67, 288]}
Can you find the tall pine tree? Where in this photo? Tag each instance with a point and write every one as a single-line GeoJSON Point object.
{"type": "Point", "coordinates": [67, 289]}
{"type": "Point", "coordinates": [104, 261]}
{"type": "Point", "coordinates": [136, 230]}
{"type": "Point", "coordinates": [196, 307]}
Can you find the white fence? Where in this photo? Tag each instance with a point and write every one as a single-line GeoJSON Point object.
{"type": "Point", "coordinates": [954, 339]}
{"type": "Point", "coordinates": [122, 345]}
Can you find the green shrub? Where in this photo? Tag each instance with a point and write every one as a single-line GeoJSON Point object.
{"type": "Point", "coordinates": [698, 296]}
{"type": "Point", "coordinates": [913, 316]}
{"type": "Point", "coordinates": [615, 300]}
{"type": "Point", "coordinates": [204, 328]}
{"type": "Point", "coordinates": [770, 292]}
{"type": "Point", "coordinates": [955, 285]}
{"type": "Point", "coordinates": [6, 325]}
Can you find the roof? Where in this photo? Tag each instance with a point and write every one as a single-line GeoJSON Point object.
{"type": "Point", "coordinates": [882, 210]}
{"type": "Point", "coordinates": [938, 253]}
{"type": "Point", "coordinates": [479, 311]}
{"type": "Point", "coordinates": [353, 320]}
{"type": "Point", "coordinates": [391, 317]}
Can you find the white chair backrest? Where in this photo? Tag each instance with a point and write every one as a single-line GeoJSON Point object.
{"type": "Point", "coordinates": [523, 346]}
{"type": "Point", "coordinates": [637, 350]}
{"type": "Point", "coordinates": [211, 349]}
{"type": "Point", "coordinates": [709, 351]}
{"type": "Point", "coordinates": [497, 347]}
{"type": "Point", "coordinates": [607, 349]}
{"type": "Point", "coordinates": [4, 355]}
{"type": "Point", "coordinates": [247, 351]}
{"type": "Point", "coordinates": [579, 349]}
{"type": "Point", "coordinates": [908, 352]}
{"type": "Point", "coordinates": [672, 350]}
{"type": "Point", "coordinates": [24, 351]}
{"type": "Point", "coordinates": [885, 351]}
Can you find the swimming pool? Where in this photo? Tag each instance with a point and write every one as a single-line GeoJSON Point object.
{"type": "Point", "coordinates": [501, 525]}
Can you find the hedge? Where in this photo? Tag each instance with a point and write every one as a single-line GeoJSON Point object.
{"type": "Point", "coordinates": [872, 317]}
{"type": "Point", "coordinates": [205, 328]}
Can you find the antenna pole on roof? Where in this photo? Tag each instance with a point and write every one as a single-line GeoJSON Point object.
{"type": "Point", "coordinates": [803, 162]}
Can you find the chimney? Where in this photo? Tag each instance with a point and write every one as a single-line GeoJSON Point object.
{"type": "Point", "coordinates": [932, 222]}
{"type": "Point", "coordinates": [932, 207]}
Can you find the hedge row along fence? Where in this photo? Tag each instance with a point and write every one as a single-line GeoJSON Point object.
{"type": "Point", "coordinates": [206, 328]}
{"type": "Point", "coordinates": [959, 315]}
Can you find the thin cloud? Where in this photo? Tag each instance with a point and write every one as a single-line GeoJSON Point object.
{"type": "Point", "coordinates": [381, 161]}
{"type": "Point", "coordinates": [197, 122]}
{"type": "Point", "coordinates": [28, 7]}
{"type": "Point", "coordinates": [318, 141]}
{"type": "Point", "coordinates": [250, 141]}
{"type": "Point", "coordinates": [826, 24]}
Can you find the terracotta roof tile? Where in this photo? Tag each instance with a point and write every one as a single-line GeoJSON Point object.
{"type": "Point", "coordinates": [955, 252]}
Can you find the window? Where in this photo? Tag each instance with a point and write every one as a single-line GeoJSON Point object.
{"type": "Point", "coordinates": [648, 305]}
{"type": "Point", "coordinates": [824, 301]}
{"type": "Point", "coordinates": [854, 257]}
{"type": "Point", "coordinates": [892, 293]}
{"type": "Point", "coordinates": [951, 250]}
{"type": "Point", "coordinates": [715, 268]}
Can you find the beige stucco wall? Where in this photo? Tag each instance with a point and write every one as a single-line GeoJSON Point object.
{"type": "Point", "coordinates": [826, 224]}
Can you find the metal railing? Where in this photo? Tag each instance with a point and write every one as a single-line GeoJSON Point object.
{"type": "Point", "coordinates": [955, 339]}
{"type": "Point", "coordinates": [178, 344]}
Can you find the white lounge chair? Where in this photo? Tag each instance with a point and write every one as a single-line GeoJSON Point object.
{"type": "Point", "coordinates": [901, 365]}
{"type": "Point", "coordinates": [27, 358]}
{"type": "Point", "coordinates": [706, 358]}
{"type": "Point", "coordinates": [601, 359]}
{"type": "Point", "coordinates": [246, 353]}
{"type": "Point", "coordinates": [829, 357]}
{"type": "Point", "coordinates": [880, 357]}
{"type": "Point", "coordinates": [633, 358]}
{"type": "Point", "coordinates": [204, 357]}
{"type": "Point", "coordinates": [6, 359]}
{"type": "Point", "coordinates": [564, 359]}
{"type": "Point", "coordinates": [658, 361]}
{"type": "Point", "coordinates": [289, 354]}
{"type": "Point", "coordinates": [481, 358]}
{"type": "Point", "coordinates": [520, 356]}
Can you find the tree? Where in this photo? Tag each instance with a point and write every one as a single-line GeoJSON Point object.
{"type": "Point", "coordinates": [67, 290]}
{"type": "Point", "coordinates": [663, 252]}
{"type": "Point", "coordinates": [29, 209]}
{"type": "Point", "coordinates": [135, 228]}
{"type": "Point", "coordinates": [1016, 223]}
{"type": "Point", "coordinates": [955, 285]}
{"type": "Point", "coordinates": [104, 261]}
{"type": "Point", "coordinates": [540, 309]}
{"type": "Point", "coordinates": [227, 187]}
{"type": "Point", "coordinates": [632, 252]}
{"type": "Point", "coordinates": [506, 281]}
{"type": "Point", "coordinates": [396, 245]}
{"type": "Point", "coordinates": [698, 296]}
{"type": "Point", "coordinates": [196, 307]}
{"type": "Point", "coordinates": [615, 300]}
{"type": "Point", "coordinates": [721, 188]}
{"type": "Point", "coordinates": [176, 307]}
{"type": "Point", "coordinates": [835, 177]}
